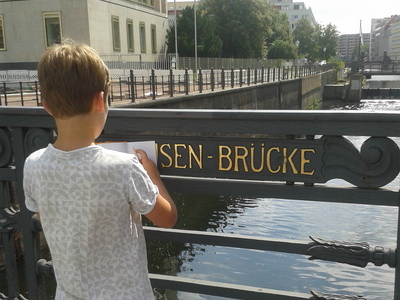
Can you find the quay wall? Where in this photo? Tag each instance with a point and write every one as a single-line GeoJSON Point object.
{"type": "Point", "coordinates": [299, 93]}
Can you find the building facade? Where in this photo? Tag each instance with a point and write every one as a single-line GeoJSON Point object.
{"type": "Point", "coordinates": [116, 29]}
{"type": "Point", "coordinates": [348, 46]}
{"type": "Point", "coordinates": [385, 38]}
{"type": "Point", "coordinates": [295, 11]}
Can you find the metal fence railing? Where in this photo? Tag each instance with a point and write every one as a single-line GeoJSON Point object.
{"type": "Point", "coordinates": [130, 85]}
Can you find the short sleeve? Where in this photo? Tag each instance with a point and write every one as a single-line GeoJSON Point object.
{"type": "Point", "coordinates": [142, 192]}
{"type": "Point", "coordinates": [30, 203]}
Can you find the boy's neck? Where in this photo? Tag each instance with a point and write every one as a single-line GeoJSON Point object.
{"type": "Point", "coordinates": [75, 132]}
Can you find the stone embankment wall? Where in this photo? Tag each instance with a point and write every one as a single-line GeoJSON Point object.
{"type": "Point", "coordinates": [299, 93]}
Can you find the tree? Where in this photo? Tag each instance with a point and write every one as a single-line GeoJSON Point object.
{"type": "Point", "coordinates": [208, 42]}
{"type": "Point", "coordinates": [238, 26]}
{"type": "Point", "coordinates": [282, 50]}
{"type": "Point", "coordinates": [327, 42]}
{"type": "Point", "coordinates": [306, 36]}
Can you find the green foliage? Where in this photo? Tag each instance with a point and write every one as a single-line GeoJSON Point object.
{"type": "Point", "coordinates": [208, 42]}
{"type": "Point", "coordinates": [282, 50]}
{"type": "Point", "coordinates": [316, 43]}
{"type": "Point", "coordinates": [229, 28]}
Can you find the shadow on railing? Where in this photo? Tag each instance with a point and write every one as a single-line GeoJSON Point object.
{"type": "Point", "coordinates": [154, 84]}
{"type": "Point", "coordinates": [275, 154]}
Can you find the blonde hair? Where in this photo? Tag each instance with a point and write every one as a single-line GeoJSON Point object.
{"type": "Point", "coordinates": [70, 75]}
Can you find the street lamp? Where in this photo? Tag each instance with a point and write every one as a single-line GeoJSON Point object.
{"type": "Point", "coordinates": [298, 49]}
{"type": "Point", "coordinates": [195, 36]}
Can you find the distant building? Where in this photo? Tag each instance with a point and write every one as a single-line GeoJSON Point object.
{"type": "Point", "coordinates": [180, 6]}
{"type": "Point", "coordinates": [295, 11]}
{"type": "Point", "coordinates": [385, 38]}
{"type": "Point", "coordinates": [348, 45]}
{"type": "Point", "coordinates": [118, 29]}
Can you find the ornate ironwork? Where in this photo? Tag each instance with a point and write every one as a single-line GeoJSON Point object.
{"type": "Point", "coordinates": [356, 254]}
{"type": "Point", "coordinates": [37, 138]}
{"type": "Point", "coordinates": [326, 296]}
{"type": "Point", "coordinates": [377, 163]}
{"type": "Point", "coordinates": [44, 267]}
{"type": "Point", "coordinates": [5, 147]}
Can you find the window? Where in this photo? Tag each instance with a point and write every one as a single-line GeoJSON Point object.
{"type": "Point", "coordinates": [129, 32]}
{"type": "Point", "coordinates": [2, 36]}
{"type": "Point", "coordinates": [142, 31]}
{"type": "Point", "coordinates": [115, 33]}
{"type": "Point", "coordinates": [153, 38]}
{"type": "Point", "coordinates": [296, 7]}
{"type": "Point", "coordinates": [52, 28]}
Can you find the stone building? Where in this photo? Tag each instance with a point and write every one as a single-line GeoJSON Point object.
{"type": "Point", "coordinates": [120, 30]}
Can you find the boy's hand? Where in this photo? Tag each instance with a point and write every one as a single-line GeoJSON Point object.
{"type": "Point", "coordinates": [148, 165]}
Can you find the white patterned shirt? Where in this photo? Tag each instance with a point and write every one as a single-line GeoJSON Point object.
{"type": "Point", "coordinates": [85, 198]}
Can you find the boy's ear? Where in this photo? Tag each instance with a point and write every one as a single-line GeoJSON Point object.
{"type": "Point", "coordinates": [98, 102]}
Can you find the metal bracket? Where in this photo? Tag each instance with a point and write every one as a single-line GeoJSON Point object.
{"type": "Point", "coordinates": [7, 218]}
{"type": "Point", "coordinates": [44, 267]}
{"type": "Point", "coordinates": [356, 254]}
{"type": "Point", "coordinates": [325, 296]}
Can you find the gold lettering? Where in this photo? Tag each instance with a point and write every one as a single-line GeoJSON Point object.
{"type": "Point", "coordinates": [178, 155]}
{"type": "Point", "coordinates": [241, 157]}
{"type": "Point", "coordinates": [224, 156]}
{"type": "Point", "coordinates": [252, 159]}
{"type": "Point", "coordinates": [197, 158]}
{"type": "Point", "coordinates": [269, 160]}
{"type": "Point", "coordinates": [290, 159]}
{"type": "Point", "coordinates": [169, 158]}
{"type": "Point", "coordinates": [305, 161]}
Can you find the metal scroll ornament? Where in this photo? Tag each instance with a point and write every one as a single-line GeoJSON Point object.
{"type": "Point", "coordinates": [37, 138]}
{"type": "Point", "coordinates": [5, 147]}
{"type": "Point", "coordinates": [376, 165]}
{"type": "Point", "coordinates": [325, 296]}
{"type": "Point", "coordinates": [352, 253]}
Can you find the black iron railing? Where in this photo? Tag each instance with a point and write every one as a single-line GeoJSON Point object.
{"type": "Point", "coordinates": [156, 83]}
{"type": "Point", "coordinates": [302, 151]}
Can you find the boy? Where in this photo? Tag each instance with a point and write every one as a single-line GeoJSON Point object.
{"type": "Point", "coordinates": [88, 196]}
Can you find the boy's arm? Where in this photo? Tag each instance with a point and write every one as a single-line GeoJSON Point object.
{"type": "Point", "coordinates": [164, 213]}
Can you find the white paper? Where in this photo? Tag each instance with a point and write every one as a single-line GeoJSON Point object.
{"type": "Point", "coordinates": [129, 147]}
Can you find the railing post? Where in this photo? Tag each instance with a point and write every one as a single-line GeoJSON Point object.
{"type": "Point", "coordinates": [132, 86]}
{"type": "Point", "coordinates": [171, 83]}
{"type": "Point", "coordinates": [223, 78]}
{"type": "Point", "coordinates": [255, 76]}
{"type": "Point", "coordinates": [37, 94]}
{"type": "Point", "coordinates": [262, 74]}
{"type": "Point", "coordinates": [268, 73]}
{"type": "Point", "coordinates": [21, 93]}
{"type": "Point", "coordinates": [248, 76]}
{"type": "Point", "coordinates": [232, 78]}
{"type": "Point", "coordinates": [186, 82]}
{"type": "Point", "coordinates": [273, 74]}
{"type": "Point", "coordinates": [153, 84]}
{"type": "Point", "coordinates": [241, 77]}
{"type": "Point", "coordinates": [200, 79]}
{"type": "Point", "coordinates": [212, 80]}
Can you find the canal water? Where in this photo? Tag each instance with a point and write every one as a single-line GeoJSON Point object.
{"type": "Point", "coordinates": [277, 218]}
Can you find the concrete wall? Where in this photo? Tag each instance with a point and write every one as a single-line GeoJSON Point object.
{"type": "Point", "coordinates": [298, 93]}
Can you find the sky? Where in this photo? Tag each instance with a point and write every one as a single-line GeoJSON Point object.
{"type": "Point", "coordinates": [347, 14]}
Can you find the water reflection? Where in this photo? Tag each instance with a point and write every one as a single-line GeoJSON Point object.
{"type": "Point", "coordinates": [277, 218]}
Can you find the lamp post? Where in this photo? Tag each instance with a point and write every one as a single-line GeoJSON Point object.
{"type": "Point", "coordinates": [176, 40]}
{"type": "Point", "coordinates": [195, 36]}
{"type": "Point", "coordinates": [298, 49]}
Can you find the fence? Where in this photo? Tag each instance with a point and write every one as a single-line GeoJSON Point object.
{"type": "Point", "coordinates": [131, 85]}
{"type": "Point", "coordinates": [279, 154]}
